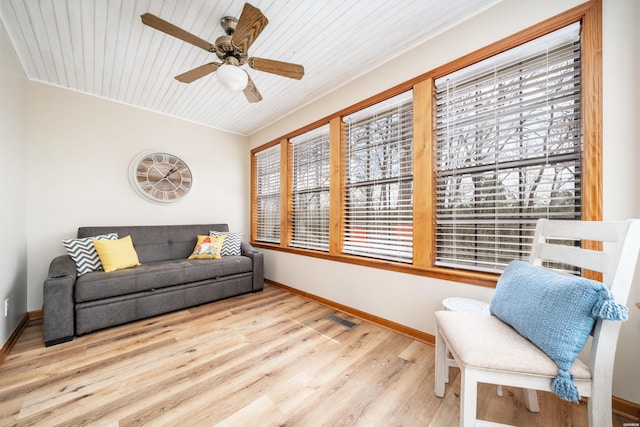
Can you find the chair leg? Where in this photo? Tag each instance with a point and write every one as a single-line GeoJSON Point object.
{"type": "Point", "coordinates": [441, 364]}
{"type": "Point", "coordinates": [599, 409]}
{"type": "Point", "coordinates": [468, 398]}
{"type": "Point", "coordinates": [531, 400]}
{"type": "Point", "coordinates": [447, 359]}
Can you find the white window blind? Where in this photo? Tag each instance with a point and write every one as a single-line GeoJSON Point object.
{"type": "Point", "coordinates": [379, 184]}
{"type": "Point", "coordinates": [508, 151]}
{"type": "Point", "coordinates": [310, 173]}
{"type": "Point", "coordinates": [268, 194]}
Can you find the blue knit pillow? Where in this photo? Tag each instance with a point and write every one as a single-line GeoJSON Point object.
{"type": "Point", "coordinates": [554, 311]}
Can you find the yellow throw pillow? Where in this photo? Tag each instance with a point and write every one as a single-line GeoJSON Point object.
{"type": "Point", "coordinates": [208, 247]}
{"type": "Point", "coordinates": [116, 254]}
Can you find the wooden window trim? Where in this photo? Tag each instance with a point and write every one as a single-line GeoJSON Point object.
{"type": "Point", "coordinates": [423, 173]}
{"type": "Point", "coordinates": [336, 185]}
{"type": "Point", "coordinates": [590, 14]}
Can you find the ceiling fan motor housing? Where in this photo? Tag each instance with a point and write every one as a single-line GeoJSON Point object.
{"type": "Point", "coordinates": [225, 50]}
{"type": "Point", "coordinates": [228, 24]}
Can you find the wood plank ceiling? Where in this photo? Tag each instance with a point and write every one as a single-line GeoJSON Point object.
{"type": "Point", "coordinates": [100, 47]}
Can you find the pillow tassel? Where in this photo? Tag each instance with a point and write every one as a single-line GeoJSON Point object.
{"type": "Point", "coordinates": [607, 308]}
{"type": "Point", "coordinates": [564, 387]}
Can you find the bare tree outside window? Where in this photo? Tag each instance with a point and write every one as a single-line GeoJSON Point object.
{"type": "Point", "coordinates": [379, 199]}
{"type": "Point", "coordinates": [508, 150]}
{"type": "Point", "coordinates": [268, 194]}
{"type": "Point", "coordinates": [311, 173]}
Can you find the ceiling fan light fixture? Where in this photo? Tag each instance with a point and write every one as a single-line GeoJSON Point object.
{"type": "Point", "coordinates": [232, 77]}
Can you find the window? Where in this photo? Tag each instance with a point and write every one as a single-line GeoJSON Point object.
{"type": "Point", "coordinates": [268, 195]}
{"type": "Point", "coordinates": [508, 151]}
{"type": "Point", "coordinates": [378, 217]}
{"type": "Point", "coordinates": [310, 193]}
{"type": "Point", "coordinates": [445, 175]}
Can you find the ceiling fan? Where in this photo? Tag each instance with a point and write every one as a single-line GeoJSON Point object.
{"type": "Point", "coordinates": [232, 50]}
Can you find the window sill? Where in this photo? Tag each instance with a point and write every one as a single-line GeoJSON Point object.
{"type": "Point", "coordinates": [463, 276]}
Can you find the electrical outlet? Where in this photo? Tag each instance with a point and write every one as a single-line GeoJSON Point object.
{"type": "Point", "coordinates": [6, 307]}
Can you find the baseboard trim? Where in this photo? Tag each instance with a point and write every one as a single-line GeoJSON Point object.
{"type": "Point", "coordinates": [626, 408]}
{"type": "Point", "coordinates": [388, 324]}
{"type": "Point", "coordinates": [619, 406]}
{"type": "Point", "coordinates": [13, 339]}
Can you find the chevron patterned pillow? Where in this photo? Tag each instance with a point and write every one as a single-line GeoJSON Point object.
{"type": "Point", "coordinates": [231, 245]}
{"type": "Point", "coordinates": [83, 252]}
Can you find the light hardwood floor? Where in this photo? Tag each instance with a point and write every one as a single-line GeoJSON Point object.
{"type": "Point", "coordinates": [266, 359]}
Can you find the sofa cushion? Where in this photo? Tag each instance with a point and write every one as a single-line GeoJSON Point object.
{"type": "Point", "coordinates": [83, 252]}
{"type": "Point", "coordinates": [155, 275]}
{"type": "Point", "coordinates": [231, 244]}
{"type": "Point", "coordinates": [116, 254]}
{"type": "Point", "coordinates": [208, 247]}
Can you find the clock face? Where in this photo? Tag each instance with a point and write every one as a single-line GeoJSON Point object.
{"type": "Point", "coordinates": [160, 177]}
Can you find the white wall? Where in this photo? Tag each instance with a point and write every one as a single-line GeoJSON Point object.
{"type": "Point", "coordinates": [79, 152]}
{"type": "Point", "coordinates": [14, 174]}
{"type": "Point", "coordinates": [410, 300]}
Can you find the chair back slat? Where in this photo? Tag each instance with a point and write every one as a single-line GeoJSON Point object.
{"type": "Point", "coordinates": [602, 231]}
{"type": "Point", "coordinates": [617, 262]}
{"type": "Point", "coordinates": [602, 262]}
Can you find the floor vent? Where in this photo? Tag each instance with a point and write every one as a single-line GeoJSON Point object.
{"type": "Point", "coordinates": [349, 324]}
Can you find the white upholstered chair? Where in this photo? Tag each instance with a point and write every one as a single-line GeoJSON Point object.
{"type": "Point", "coordinates": [488, 350]}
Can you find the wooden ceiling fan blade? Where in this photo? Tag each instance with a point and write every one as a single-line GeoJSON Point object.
{"type": "Point", "coordinates": [168, 28]}
{"type": "Point", "coordinates": [251, 91]}
{"type": "Point", "coordinates": [280, 68]}
{"type": "Point", "coordinates": [198, 72]}
{"type": "Point", "coordinates": [249, 27]}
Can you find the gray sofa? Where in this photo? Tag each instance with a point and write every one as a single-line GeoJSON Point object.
{"type": "Point", "coordinates": [165, 281]}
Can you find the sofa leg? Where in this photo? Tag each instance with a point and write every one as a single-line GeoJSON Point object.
{"type": "Point", "coordinates": [58, 341]}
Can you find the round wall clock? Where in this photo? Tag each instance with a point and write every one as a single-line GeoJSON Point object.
{"type": "Point", "coordinates": [160, 177]}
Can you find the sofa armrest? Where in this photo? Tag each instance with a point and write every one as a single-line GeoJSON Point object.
{"type": "Point", "coordinates": [258, 265]}
{"type": "Point", "coordinates": [58, 307]}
